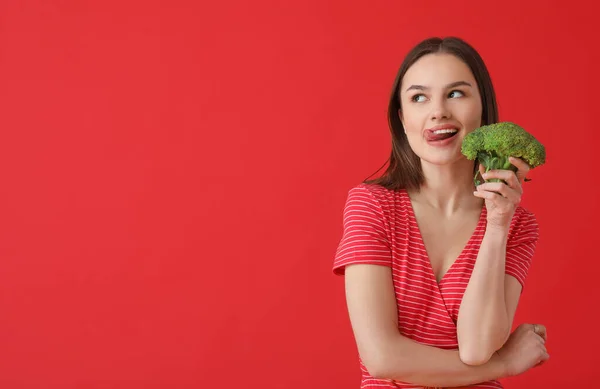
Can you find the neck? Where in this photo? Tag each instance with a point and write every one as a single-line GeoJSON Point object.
{"type": "Point", "coordinates": [448, 188]}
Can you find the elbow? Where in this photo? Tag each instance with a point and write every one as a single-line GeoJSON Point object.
{"type": "Point", "coordinates": [377, 373]}
{"type": "Point", "coordinates": [378, 366]}
{"type": "Point", "coordinates": [475, 356]}
{"type": "Point", "coordinates": [478, 351]}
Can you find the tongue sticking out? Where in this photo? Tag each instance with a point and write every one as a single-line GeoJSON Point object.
{"type": "Point", "coordinates": [445, 135]}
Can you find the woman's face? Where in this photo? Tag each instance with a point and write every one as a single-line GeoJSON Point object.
{"type": "Point", "coordinates": [440, 105]}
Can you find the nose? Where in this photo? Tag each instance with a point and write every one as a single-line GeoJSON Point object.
{"type": "Point", "coordinates": [440, 110]}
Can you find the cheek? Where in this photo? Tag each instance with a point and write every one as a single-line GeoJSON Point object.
{"type": "Point", "coordinates": [414, 134]}
{"type": "Point", "coordinates": [471, 116]}
{"type": "Point", "coordinates": [412, 120]}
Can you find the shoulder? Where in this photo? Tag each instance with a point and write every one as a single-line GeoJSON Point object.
{"type": "Point", "coordinates": [363, 201]}
{"type": "Point", "coordinates": [372, 189]}
{"type": "Point", "coordinates": [375, 194]}
{"type": "Point", "coordinates": [524, 218]}
{"type": "Point", "coordinates": [524, 226]}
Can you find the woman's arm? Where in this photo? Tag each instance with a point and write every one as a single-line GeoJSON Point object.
{"type": "Point", "coordinates": [490, 300]}
{"type": "Point", "coordinates": [386, 353]}
{"type": "Point", "coordinates": [489, 303]}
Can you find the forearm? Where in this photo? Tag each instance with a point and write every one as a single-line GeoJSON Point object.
{"type": "Point", "coordinates": [483, 322]}
{"type": "Point", "coordinates": [408, 361]}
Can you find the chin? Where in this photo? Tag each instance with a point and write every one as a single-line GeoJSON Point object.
{"type": "Point", "coordinates": [441, 159]}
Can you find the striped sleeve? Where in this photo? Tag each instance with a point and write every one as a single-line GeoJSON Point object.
{"type": "Point", "coordinates": [521, 246]}
{"type": "Point", "coordinates": [364, 238]}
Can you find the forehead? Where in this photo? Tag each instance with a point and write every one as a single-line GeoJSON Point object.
{"type": "Point", "coordinates": [437, 70]}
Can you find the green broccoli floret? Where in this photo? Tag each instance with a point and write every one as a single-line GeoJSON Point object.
{"type": "Point", "coordinates": [492, 144]}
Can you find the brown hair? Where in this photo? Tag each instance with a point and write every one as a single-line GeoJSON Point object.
{"type": "Point", "coordinates": [404, 169]}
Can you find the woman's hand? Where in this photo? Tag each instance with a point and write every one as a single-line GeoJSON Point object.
{"type": "Point", "coordinates": [524, 349]}
{"type": "Point", "coordinates": [502, 198]}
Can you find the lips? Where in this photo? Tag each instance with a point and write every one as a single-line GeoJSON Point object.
{"type": "Point", "coordinates": [440, 132]}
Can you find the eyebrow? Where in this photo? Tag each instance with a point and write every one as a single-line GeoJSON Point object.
{"type": "Point", "coordinates": [452, 85]}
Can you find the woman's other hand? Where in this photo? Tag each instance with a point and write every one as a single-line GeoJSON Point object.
{"type": "Point", "coordinates": [524, 349]}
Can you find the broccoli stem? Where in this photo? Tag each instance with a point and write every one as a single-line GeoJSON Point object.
{"type": "Point", "coordinates": [491, 161]}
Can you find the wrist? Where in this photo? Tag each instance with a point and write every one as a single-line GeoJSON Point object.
{"type": "Point", "coordinates": [498, 366]}
{"type": "Point", "coordinates": [497, 231]}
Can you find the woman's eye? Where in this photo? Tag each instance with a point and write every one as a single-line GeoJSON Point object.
{"type": "Point", "coordinates": [418, 98]}
{"type": "Point", "coordinates": [456, 93]}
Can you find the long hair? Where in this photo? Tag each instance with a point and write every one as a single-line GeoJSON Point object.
{"type": "Point", "coordinates": [404, 166]}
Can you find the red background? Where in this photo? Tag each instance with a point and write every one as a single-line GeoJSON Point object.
{"type": "Point", "coordinates": [173, 175]}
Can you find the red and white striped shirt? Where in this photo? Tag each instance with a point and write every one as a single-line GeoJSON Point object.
{"type": "Point", "coordinates": [379, 228]}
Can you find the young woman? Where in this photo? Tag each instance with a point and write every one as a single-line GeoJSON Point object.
{"type": "Point", "coordinates": [434, 266]}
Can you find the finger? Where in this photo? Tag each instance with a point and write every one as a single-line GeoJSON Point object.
{"type": "Point", "coordinates": [507, 176]}
{"type": "Point", "coordinates": [499, 187]}
{"type": "Point", "coordinates": [522, 166]}
{"type": "Point", "coordinates": [519, 163]}
{"type": "Point", "coordinates": [541, 331]}
{"type": "Point", "coordinates": [487, 195]}
{"type": "Point", "coordinates": [540, 340]}
{"type": "Point", "coordinates": [498, 199]}
{"type": "Point", "coordinates": [543, 359]}
{"type": "Point", "coordinates": [542, 352]}
{"type": "Point", "coordinates": [481, 169]}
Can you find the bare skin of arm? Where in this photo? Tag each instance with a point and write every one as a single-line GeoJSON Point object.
{"type": "Point", "coordinates": [388, 355]}
{"type": "Point", "coordinates": [489, 303]}
{"type": "Point", "coordinates": [491, 298]}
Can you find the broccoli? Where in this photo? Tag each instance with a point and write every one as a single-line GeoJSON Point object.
{"type": "Point", "coordinates": [492, 144]}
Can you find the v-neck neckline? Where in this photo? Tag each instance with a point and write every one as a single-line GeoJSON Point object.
{"type": "Point", "coordinates": [419, 236]}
